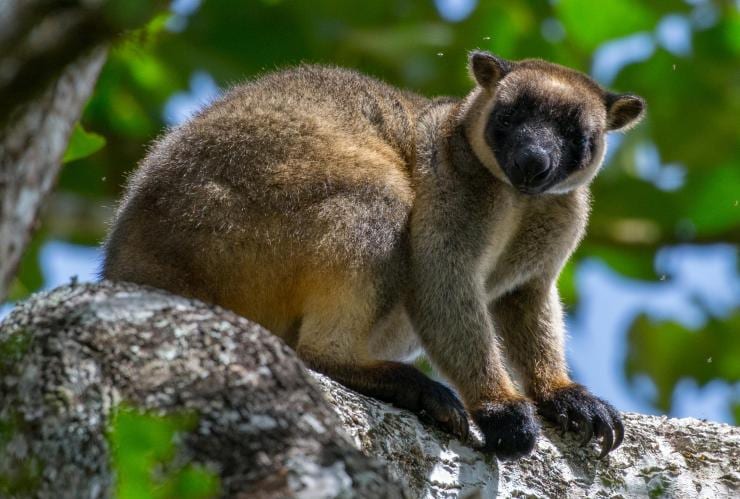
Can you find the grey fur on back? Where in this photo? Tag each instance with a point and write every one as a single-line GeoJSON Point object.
{"type": "Point", "coordinates": [304, 156]}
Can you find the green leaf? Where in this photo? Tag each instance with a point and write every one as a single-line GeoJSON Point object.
{"type": "Point", "coordinates": [589, 23]}
{"type": "Point", "coordinates": [82, 144]}
{"type": "Point", "coordinates": [144, 454]}
{"type": "Point", "coordinates": [422, 363]}
{"type": "Point", "coordinates": [193, 483]}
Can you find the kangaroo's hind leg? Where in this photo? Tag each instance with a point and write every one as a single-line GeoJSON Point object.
{"type": "Point", "coordinates": [334, 339]}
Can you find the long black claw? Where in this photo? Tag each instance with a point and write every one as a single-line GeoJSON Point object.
{"type": "Point", "coordinates": [440, 405]}
{"type": "Point", "coordinates": [617, 424]}
{"type": "Point", "coordinates": [576, 409]}
{"type": "Point", "coordinates": [458, 425]}
{"type": "Point", "coordinates": [608, 440]}
{"type": "Point", "coordinates": [619, 433]}
{"type": "Point", "coordinates": [563, 421]}
{"type": "Point", "coordinates": [588, 432]}
{"type": "Point", "coordinates": [462, 426]}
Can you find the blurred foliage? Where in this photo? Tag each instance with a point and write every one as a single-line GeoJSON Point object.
{"type": "Point", "coordinates": [693, 99]}
{"type": "Point", "coordinates": [144, 450]}
{"type": "Point", "coordinates": [29, 277]}
{"type": "Point", "coordinates": [590, 23]}
{"type": "Point", "coordinates": [668, 352]}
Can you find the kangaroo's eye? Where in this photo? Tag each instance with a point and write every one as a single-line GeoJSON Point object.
{"type": "Point", "coordinates": [587, 143]}
{"type": "Point", "coordinates": [503, 118]}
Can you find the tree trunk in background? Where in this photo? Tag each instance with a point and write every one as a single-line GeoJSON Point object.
{"type": "Point", "coordinates": [272, 429]}
{"type": "Point", "coordinates": [31, 149]}
{"type": "Point", "coordinates": [50, 55]}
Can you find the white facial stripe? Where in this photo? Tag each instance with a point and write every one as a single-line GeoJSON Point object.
{"type": "Point", "coordinates": [476, 129]}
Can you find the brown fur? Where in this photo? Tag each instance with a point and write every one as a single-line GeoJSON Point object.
{"type": "Point", "coordinates": [358, 222]}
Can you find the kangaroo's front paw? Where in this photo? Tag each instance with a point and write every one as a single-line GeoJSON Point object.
{"type": "Point", "coordinates": [509, 428]}
{"type": "Point", "coordinates": [573, 408]}
{"type": "Point", "coordinates": [440, 404]}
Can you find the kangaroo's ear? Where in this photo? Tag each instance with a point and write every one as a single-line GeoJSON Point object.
{"type": "Point", "coordinates": [487, 69]}
{"type": "Point", "coordinates": [623, 111]}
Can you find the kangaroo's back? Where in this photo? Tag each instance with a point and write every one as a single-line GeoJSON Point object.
{"type": "Point", "coordinates": [278, 189]}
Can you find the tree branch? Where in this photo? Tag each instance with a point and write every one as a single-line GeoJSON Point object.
{"type": "Point", "coordinates": [68, 357]}
{"type": "Point", "coordinates": [270, 428]}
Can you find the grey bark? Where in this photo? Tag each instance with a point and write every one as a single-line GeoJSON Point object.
{"type": "Point", "coordinates": [31, 149]}
{"type": "Point", "coordinates": [51, 52]}
{"type": "Point", "coordinates": [40, 39]}
{"type": "Point", "coordinates": [270, 428]}
{"type": "Point", "coordinates": [70, 356]}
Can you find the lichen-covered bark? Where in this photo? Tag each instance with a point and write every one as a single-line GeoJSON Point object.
{"type": "Point", "coordinates": [660, 457]}
{"type": "Point", "coordinates": [70, 356]}
{"type": "Point", "coordinates": [272, 429]}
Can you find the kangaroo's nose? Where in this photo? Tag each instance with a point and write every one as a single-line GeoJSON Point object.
{"type": "Point", "coordinates": [533, 165]}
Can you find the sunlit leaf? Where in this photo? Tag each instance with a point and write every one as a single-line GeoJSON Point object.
{"type": "Point", "coordinates": [589, 23]}
{"type": "Point", "coordinates": [143, 447]}
{"type": "Point", "coordinates": [82, 143]}
{"type": "Point", "coordinates": [731, 30]}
